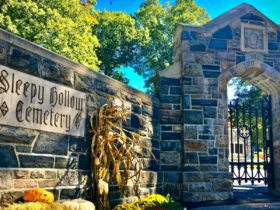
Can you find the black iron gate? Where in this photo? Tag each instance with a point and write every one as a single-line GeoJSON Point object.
{"type": "Point", "coordinates": [250, 140]}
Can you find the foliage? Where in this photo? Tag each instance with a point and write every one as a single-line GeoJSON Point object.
{"type": "Point", "coordinates": [58, 25]}
{"type": "Point", "coordinates": [161, 22]}
{"type": "Point", "coordinates": [247, 92]}
{"type": "Point", "coordinates": [38, 195]}
{"type": "Point", "coordinates": [249, 96]}
{"type": "Point", "coordinates": [35, 206]}
{"type": "Point", "coordinates": [152, 202]}
{"type": "Point", "coordinates": [114, 151]}
{"type": "Point", "coordinates": [120, 40]}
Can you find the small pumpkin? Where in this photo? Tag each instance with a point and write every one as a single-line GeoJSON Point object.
{"type": "Point", "coordinates": [77, 204]}
{"type": "Point", "coordinates": [38, 195]}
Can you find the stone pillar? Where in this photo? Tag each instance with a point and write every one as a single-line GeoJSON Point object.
{"type": "Point", "coordinates": [275, 188]}
{"type": "Point", "coordinates": [205, 163]}
{"type": "Point", "coordinates": [171, 135]}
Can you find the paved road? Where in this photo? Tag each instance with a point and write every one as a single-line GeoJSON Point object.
{"type": "Point", "coordinates": [246, 197]}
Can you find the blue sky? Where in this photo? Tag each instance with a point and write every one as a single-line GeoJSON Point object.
{"type": "Point", "coordinates": [214, 8]}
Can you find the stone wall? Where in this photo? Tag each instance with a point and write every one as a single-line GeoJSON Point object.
{"type": "Point", "coordinates": [240, 43]}
{"type": "Point", "coordinates": [32, 158]}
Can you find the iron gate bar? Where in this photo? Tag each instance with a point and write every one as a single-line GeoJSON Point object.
{"type": "Point", "coordinates": [244, 121]}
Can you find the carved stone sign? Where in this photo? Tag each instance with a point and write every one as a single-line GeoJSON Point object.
{"type": "Point", "coordinates": [253, 38]}
{"type": "Point", "coordinates": [31, 102]}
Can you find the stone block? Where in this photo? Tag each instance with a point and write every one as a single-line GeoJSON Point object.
{"type": "Point", "coordinates": [170, 117]}
{"type": "Point", "coordinates": [199, 146]}
{"type": "Point", "coordinates": [208, 159]}
{"type": "Point", "coordinates": [22, 60]}
{"type": "Point", "coordinates": [163, 89]}
{"type": "Point", "coordinates": [47, 183]}
{"type": "Point", "coordinates": [212, 151]}
{"type": "Point", "coordinates": [204, 102]}
{"type": "Point", "coordinates": [84, 162]}
{"type": "Point", "coordinates": [218, 44]}
{"type": "Point", "coordinates": [189, 35]}
{"type": "Point", "coordinates": [55, 72]}
{"type": "Point", "coordinates": [222, 141]}
{"type": "Point", "coordinates": [17, 135]}
{"type": "Point", "coordinates": [8, 157]}
{"type": "Point", "coordinates": [3, 52]}
{"type": "Point", "coordinates": [175, 90]}
{"type": "Point", "coordinates": [193, 70]}
{"type": "Point", "coordinates": [209, 112]}
{"type": "Point", "coordinates": [171, 136]}
{"type": "Point", "coordinates": [195, 89]}
{"type": "Point", "coordinates": [78, 144]}
{"type": "Point", "coordinates": [71, 193]}
{"type": "Point", "coordinates": [240, 58]}
{"type": "Point", "coordinates": [106, 88]}
{"type": "Point", "coordinates": [40, 174]}
{"type": "Point", "coordinates": [25, 183]}
{"type": "Point", "coordinates": [23, 149]}
{"type": "Point", "coordinates": [84, 83]}
{"type": "Point", "coordinates": [220, 185]}
{"type": "Point", "coordinates": [223, 164]}
{"type": "Point", "coordinates": [67, 178]}
{"type": "Point", "coordinates": [6, 180]}
{"type": "Point", "coordinates": [193, 177]}
{"type": "Point", "coordinates": [170, 158]}
{"type": "Point", "coordinates": [172, 189]}
{"type": "Point", "coordinates": [278, 36]}
{"type": "Point", "coordinates": [21, 174]}
{"type": "Point", "coordinates": [211, 74]}
{"type": "Point", "coordinates": [170, 99]}
{"type": "Point", "coordinates": [273, 46]}
{"type": "Point", "coordinates": [147, 110]}
{"type": "Point", "coordinates": [166, 128]}
{"type": "Point", "coordinates": [173, 177]}
{"type": "Point", "coordinates": [211, 67]}
{"type": "Point", "coordinates": [201, 187]}
{"type": "Point", "coordinates": [225, 56]}
{"type": "Point", "coordinates": [206, 137]}
{"type": "Point", "coordinates": [66, 163]}
{"type": "Point", "coordinates": [190, 158]}
{"type": "Point", "coordinates": [169, 81]}
{"type": "Point", "coordinates": [49, 174]}
{"type": "Point", "coordinates": [198, 47]}
{"type": "Point", "coordinates": [190, 132]}
{"type": "Point", "coordinates": [186, 102]}
{"type": "Point", "coordinates": [170, 145]}
{"type": "Point", "coordinates": [50, 143]}
{"type": "Point", "coordinates": [187, 80]}
{"type": "Point", "coordinates": [193, 117]}
{"type": "Point", "coordinates": [223, 33]}
{"type": "Point", "coordinates": [35, 161]}
{"type": "Point", "coordinates": [206, 129]}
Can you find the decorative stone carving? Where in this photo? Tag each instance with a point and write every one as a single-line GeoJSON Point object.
{"type": "Point", "coordinates": [253, 38]}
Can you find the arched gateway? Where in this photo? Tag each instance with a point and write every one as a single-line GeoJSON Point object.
{"type": "Point", "coordinates": [193, 95]}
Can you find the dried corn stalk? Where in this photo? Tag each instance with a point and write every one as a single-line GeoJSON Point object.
{"type": "Point", "coordinates": [114, 151]}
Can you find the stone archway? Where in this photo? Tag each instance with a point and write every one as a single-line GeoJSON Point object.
{"type": "Point", "coordinates": [193, 99]}
{"type": "Point", "coordinates": [268, 80]}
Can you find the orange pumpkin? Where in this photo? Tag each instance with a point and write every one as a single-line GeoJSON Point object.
{"type": "Point", "coordinates": [38, 195]}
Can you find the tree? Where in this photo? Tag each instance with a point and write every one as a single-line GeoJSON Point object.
{"type": "Point", "coordinates": [58, 25]}
{"type": "Point", "coordinates": [161, 22]}
{"type": "Point", "coordinates": [120, 40]}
